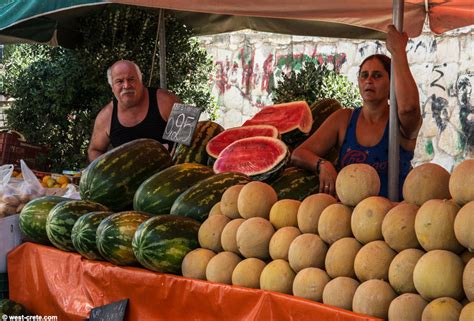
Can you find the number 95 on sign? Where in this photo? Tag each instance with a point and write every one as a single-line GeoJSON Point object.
{"type": "Point", "coordinates": [181, 124]}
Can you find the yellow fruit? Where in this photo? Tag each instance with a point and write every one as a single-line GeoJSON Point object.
{"type": "Point", "coordinates": [50, 182]}
{"type": "Point", "coordinates": [56, 186]}
{"type": "Point", "coordinates": [64, 185]}
{"type": "Point", "coordinates": [61, 180]}
{"type": "Point", "coordinates": [15, 173]}
{"type": "Point", "coordinates": [44, 184]}
{"type": "Point", "coordinates": [46, 178]}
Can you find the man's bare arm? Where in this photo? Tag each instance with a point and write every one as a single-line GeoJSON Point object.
{"type": "Point", "coordinates": [100, 139]}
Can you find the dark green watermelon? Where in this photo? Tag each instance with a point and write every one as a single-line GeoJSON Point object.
{"type": "Point", "coordinates": [33, 218]}
{"type": "Point", "coordinates": [161, 243]}
{"type": "Point", "coordinates": [84, 233]}
{"type": "Point", "coordinates": [295, 183]}
{"type": "Point", "coordinates": [61, 220]}
{"type": "Point", "coordinates": [157, 194]}
{"type": "Point", "coordinates": [115, 234]}
{"type": "Point", "coordinates": [114, 177]}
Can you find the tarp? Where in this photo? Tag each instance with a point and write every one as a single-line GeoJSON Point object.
{"type": "Point", "coordinates": [52, 282]}
{"type": "Point", "coordinates": [55, 21]}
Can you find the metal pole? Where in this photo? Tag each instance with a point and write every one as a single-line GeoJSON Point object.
{"type": "Point", "coordinates": [394, 135]}
{"type": "Point", "coordinates": [163, 83]}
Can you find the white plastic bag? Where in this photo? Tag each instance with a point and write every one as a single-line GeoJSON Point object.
{"type": "Point", "coordinates": [15, 193]}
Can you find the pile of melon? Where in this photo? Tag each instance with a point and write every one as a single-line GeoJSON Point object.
{"type": "Point", "coordinates": [396, 261]}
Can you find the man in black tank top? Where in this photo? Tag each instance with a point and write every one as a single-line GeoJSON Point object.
{"type": "Point", "coordinates": [135, 112]}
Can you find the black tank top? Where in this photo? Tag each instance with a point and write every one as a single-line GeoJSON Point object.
{"type": "Point", "coordinates": [152, 126]}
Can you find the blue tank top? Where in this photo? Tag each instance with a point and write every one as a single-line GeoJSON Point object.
{"type": "Point", "coordinates": [377, 156]}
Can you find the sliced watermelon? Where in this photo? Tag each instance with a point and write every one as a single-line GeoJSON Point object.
{"type": "Point", "coordinates": [285, 117]}
{"type": "Point", "coordinates": [227, 137]}
{"type": "Point", "coordinates": [257, 157]}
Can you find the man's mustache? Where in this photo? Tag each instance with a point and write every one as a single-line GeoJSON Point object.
{"type": "Point", "coordinates": [127, 91]}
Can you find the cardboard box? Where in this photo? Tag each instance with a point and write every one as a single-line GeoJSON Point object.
{"type": "Point", "coordinates": [10, 237]}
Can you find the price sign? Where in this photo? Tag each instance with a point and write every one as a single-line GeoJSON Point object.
{"type": "Point", "coordinates": [114, 311]}
{"type": "Point", "coordinates": [181, 124]}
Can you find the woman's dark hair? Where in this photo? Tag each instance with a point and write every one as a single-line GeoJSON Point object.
{"type": "Point", "coordinates": [384, 60]}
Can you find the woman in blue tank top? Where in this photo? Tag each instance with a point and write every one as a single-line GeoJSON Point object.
{"type": "Point", "coordinates": [361, 134]}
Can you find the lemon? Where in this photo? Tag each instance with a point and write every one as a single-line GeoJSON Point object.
{"type": "Point", "coordinates": [62, 180]}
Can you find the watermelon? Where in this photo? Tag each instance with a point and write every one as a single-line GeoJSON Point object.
{"type": "Point", "coordinates": [12, 308]}
{"type": "Point", "coordinates": [257, 157]}
{"type": "Point", "coordinates": [228, 136]}
{"type": "Point", "coordinates": [62, 218]}
{"type": "Point", "coordinates": [321, 110]}
{"type": "Point", "coordinates": [196, 151]}
{"type": "Point", "coordinates": [84, 232]}
{"type": "Point", "coordinates": [114, 236]}
{"type": "Point", "coordinates": [114, 177]}
{"type": "Point", "coordinates": [295, 183]}
{"type": "Point", "coordinates": [161, 243]}
{"type": "Point", "coordinates": [157, 194]}
{"type": "Point", "coordinates": [292, 119]}
{"type": "Point", "coordinates": [197, 201]}
{"type": "Point", "coordinates": [33, 218]}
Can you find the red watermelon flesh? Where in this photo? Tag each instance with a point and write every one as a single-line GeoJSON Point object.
{"type": "Point", "coordinates": [227, 137]}
{"type": "Point", "coordinates": [252, 156]}
{"type": "Point", "coordinates": [285, 117]}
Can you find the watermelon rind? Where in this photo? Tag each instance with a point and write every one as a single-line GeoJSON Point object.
{"type": "Point", "coordinates": [84, 232]}
{"type": "Point", "coordinates": [157, 194]}
{"type": "Point", "coordinates": [113, 178]}
{"type": "Point", "coordinates": [61, 220]}
{"type": "Point", "coordinates": [114, 236]}
{"type": "Point", "coordinates": [161, 243]}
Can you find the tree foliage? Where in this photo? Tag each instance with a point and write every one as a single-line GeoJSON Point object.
{"type": "Point", "coordinates": [59, 91]}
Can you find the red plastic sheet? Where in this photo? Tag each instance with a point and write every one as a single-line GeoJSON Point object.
{"type": "Point", "coordinates": [52, 282]}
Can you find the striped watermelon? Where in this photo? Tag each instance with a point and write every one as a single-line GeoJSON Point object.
{"type": "Point", "coordinates": [33, 217]}
{"type": "Point", "coordinates": [113, 178]}
{"type": "Point", "coordinates": [196, 152]}
{"type": "Point", "coordinates": [321, 110]}
{"type": "Point", "coordinates": [10, 308]}
{"type": "Point", "coordinates": [295, 183]}
{"type": "Point", "coordinates": [257, 157]}
{"type": "Point", "coordinates": [84, 232]}
{"type": "Point", "coordinates": [161, 243]}
{"type": "Point", "coordinates": [157, 194]}
{"type": "Point", "coordinates": [61, 220]}
{"type": "Point", "coordinates": [228, 136]}
{"type": "Point", "coordinates": [197, 201]}
{"type": "Point", "coordinates": [115, 234]}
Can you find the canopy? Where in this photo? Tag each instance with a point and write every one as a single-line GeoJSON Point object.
{"type": "Point", "coordinates": [55, 21]}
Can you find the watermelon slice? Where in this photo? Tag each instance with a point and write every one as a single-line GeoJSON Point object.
{"type": "Point", "coordinates": [227, 137]}
{"type": "Point", "coordinates": [258, 157]}
{"type": "Point", "coordinates": [285, 117]}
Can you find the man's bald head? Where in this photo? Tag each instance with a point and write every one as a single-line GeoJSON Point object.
{"type": "Point", "coordinates": [126, 62]}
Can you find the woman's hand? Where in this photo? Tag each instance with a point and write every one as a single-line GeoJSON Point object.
{"type": "Point", "coordinates": [327, 178]}
{"type": "Point", "coordinates": [396, 41]}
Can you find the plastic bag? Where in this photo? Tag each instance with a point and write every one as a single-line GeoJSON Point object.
{"type": "Point", "coordinates": [72, 192]}
{"type": "Point", "coordinates": [15, 193]}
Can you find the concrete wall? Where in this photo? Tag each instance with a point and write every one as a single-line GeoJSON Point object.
{"type": "Point", "coordinates": [249, 65]}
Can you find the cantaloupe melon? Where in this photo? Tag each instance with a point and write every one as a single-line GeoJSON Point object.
{"type": "Point", "coordinates": [468, 280]}
{"type": "Point", "coordinates": [216, 209]}
{"type": "Point", "coordinates": [210, 231]}
{"type": "Point", "coordinates": [461, 182]}
{"type": "Point", "coordinates": [464, 226]}
{"type": "Point", "coordinates": [373, 261]}
{"type": "Point", "coordinates": [467, 312]}
{"type": "Point", "coordinates": [442, 309]}
{"type": "Point", "coordinates": [220, 267]}
{"type": "Point", "coordinates": [356, 182]}
{"type": "Point", "coordinates": [309, 283]}
{"type": "Point", "coordinates": [253, 237]}
{"type": "Point", "coordinates": [283, 213]}
{"type": "Point", "coordinates": [195, 262]}
{"type": "Point", "coordinates": [310, 210]}
{"type": "Point", "coordinates": [434, 226]}
{"type": "Point", "coordinates": [229, 235]}
{"type": "Point", "coordinates": [437, 274]}
{"type": "Point", "coordinates": [277, 276]}
{"type": "Point", "coordinates": [398, 227]}
{"type": "Point", "coordinates": [256, 199]}
{"type": "Point", "coordinates": [340, 257]}
{"type": "Point", "coordinates": [335, 223]}
{"type": "Point", "coordinates": [281, 240]}
{"type": "Point", "coordinates": [229, 201]}
{"type": "Point", "coordinates": [373, 297]}
{"type": "Point", "coordinates": [425, 182]}
{"type": "Point", "coordinates": [247, 273]}
{"type": "Point", "coordinates": [307, 250]}
{"type": "Point", "coordinates": [407, 307]}
{"type": "Point", "coordinates": [367, 218]}
{"type": "Point", "coordinates": [400, 272]}
{"type": "Point", "coordinates": [339, 292]}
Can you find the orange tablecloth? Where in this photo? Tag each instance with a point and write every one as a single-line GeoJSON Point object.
{"type": "Point", "coordinates": [52, 282]}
